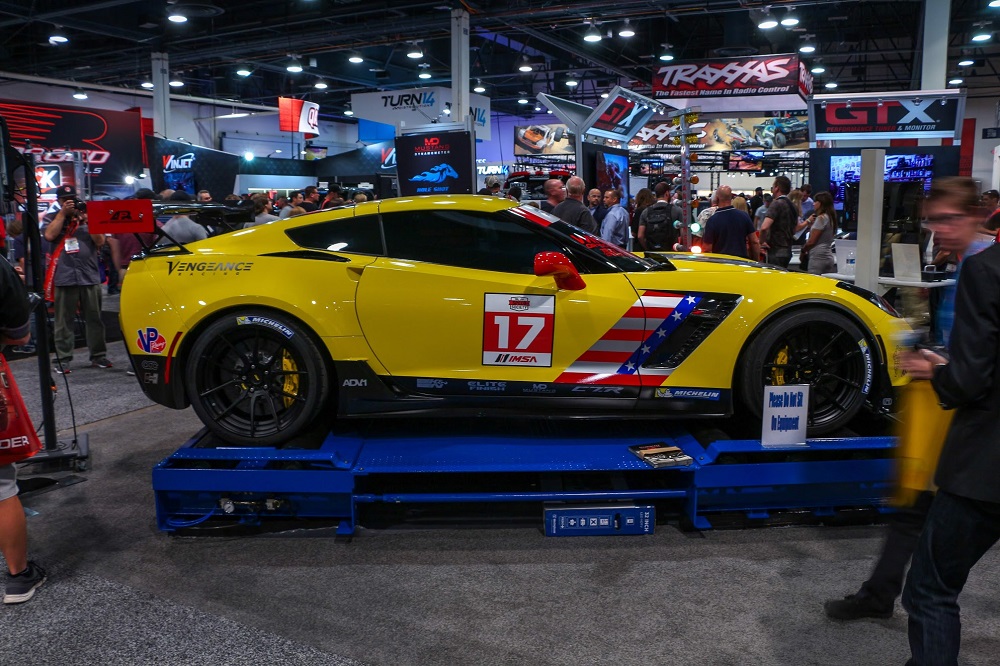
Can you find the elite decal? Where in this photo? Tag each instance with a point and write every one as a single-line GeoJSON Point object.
{"type": "Point", "coordinates": [518, 330]}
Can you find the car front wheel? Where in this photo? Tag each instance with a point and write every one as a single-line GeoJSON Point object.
{"type": "Point", "coordinates": [821, 348]}
{"type": "Point", "coordinates": [256, 378]}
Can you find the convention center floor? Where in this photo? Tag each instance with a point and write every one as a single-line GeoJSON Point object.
{"type": "Point", "coordinates": [466, 591]}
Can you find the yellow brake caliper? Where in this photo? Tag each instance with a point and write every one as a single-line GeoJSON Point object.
{"type": "Point", "coordinates": [291, 386]}
{"type": "Point", "coordinates": [778, 374]}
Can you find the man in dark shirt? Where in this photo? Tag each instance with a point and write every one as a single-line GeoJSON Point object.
{"type": "Point", "coordinates": [778, 227]}
{"type": "Point", "coordinates": [572, 209]}
{"type": "Point", "coordinates": [310, 199]}
{"type": "Point", "coordinates": [729, 230]}
{"type": "Point", "coordinates": [656, 223]}
{"type": "Point", "coordinates": [556, 193]}
{"type": "Point", "coordinates": [757, 200]}
{"type": "Point", "coordinates": [596, 207]}
{"type": "Point", "coordinates": [77, 280]}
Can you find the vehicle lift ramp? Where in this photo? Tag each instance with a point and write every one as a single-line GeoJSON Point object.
{"type": "Point", "coordinates": [205, 482]}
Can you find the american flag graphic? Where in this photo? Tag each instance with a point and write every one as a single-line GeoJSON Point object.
{"type": "Point", "coordinates": [617, 357]}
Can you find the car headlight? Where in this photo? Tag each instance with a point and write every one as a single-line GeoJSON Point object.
{"type": "Point", "coordinates": [869, 296]}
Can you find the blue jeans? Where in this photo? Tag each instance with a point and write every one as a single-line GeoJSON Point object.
{"type": "Point", "coordinates": [958, 532]}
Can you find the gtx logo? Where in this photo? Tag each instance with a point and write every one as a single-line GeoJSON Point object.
{"type": "Point", "coordinates": [355, 382]}
{"type": "Point", "coordinates": [872, 113]}
{"type": "Point", "coordinates": [178, 163]}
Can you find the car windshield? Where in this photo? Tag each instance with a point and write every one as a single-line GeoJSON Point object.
{"type": "Point", "coordinates": [623, 260]}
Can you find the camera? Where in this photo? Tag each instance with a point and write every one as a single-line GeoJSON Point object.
{"type": "Point", "coordinates": [79, 207]}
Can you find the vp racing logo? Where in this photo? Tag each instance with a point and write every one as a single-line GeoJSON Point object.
{"type": "Point", "coordinates": [173, 163]}
{"type": "Point", "coordinates": [150, 341]}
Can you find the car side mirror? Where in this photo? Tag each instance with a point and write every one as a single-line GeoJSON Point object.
{"type": "Point", "coordinates": [561, 268]}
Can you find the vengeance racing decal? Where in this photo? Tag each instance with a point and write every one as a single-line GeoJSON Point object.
{"type": "Point", "coordinates": [867, 353]}
{"type": "Point", "coordinates": [244, 320]}
{"type": "Point", "coordinates": [518, 330]}
{"type": "Point", "coordinates": [617, 356]}
{"type": "Point", "coordinates": [150, 341]}
{"type": "Point", "coordinates": [208, 267]}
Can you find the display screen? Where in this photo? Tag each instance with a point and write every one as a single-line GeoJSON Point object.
{"type": "Point", "coordinates": [746, 161]}
{"type": "Point", "coordinates": [846, 169]}
{"type": "Point", "coordinates": [612, 173]}
{"type": "Point", "coordinates": [435, 163]}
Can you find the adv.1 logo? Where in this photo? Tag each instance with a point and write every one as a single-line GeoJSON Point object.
{"type": "Point", "coordinates": [150, 341]}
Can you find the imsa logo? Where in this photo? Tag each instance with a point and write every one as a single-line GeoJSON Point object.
{"type": "Point", "coordinates": [516, 358]}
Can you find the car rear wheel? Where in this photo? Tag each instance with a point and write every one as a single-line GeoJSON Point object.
{"type": "Point", "coordinates": [256, 378]}
{"type": "Point", "coordinates": [823, 349]}
{"type": "Point", "coordinates": [780, 140]}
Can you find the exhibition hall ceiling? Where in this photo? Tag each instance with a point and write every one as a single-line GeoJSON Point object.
{"type": "Point", "coordinates": [867, 45]}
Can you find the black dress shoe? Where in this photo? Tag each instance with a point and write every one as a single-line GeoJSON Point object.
{"type": "Point", "coordinates": [856, 607]}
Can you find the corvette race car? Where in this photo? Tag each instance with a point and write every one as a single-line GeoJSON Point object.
{"type": "Point", "coordinates": [473, 305]}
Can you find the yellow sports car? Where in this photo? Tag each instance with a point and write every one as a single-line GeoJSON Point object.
{"type": "Point", "coordinates": [473, 305]}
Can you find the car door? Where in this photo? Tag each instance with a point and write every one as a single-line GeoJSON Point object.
{"type": "Point", "coordinates": [456, 299]}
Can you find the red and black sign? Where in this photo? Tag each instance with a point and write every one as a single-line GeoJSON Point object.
{"type": "Point", "coordinates": [110, 142]}
{"type": "Point", "coordinates": [903, 118]}
{"type": "Point", "coordinates": [733, 77]}
{"type": "Point", "coordinates": [127, 216]}
{"type": "Point", "coordinates": [619, 117]}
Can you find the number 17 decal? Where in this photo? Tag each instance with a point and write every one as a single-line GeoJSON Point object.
{"type": "Point", "coordinates": [517, 330]}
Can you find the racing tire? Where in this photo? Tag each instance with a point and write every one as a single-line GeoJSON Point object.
{"type": "Point", "coordinates": [256, 378]}
{"type": "Point", "coordinates": [559, 134]}
{"type": "Point", "coordinates": [780, 140]}
{"type": "Point", "coordinates": [813, 346]}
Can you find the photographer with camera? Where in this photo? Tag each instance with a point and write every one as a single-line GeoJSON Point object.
{"type": "Point", "coordinates": [73, 279]}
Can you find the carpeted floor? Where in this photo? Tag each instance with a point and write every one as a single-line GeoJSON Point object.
{"type": "Point", "coordinates": [458, 592]}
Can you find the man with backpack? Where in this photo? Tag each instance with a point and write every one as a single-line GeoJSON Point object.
{"type": "Point", "coordinates": [656, 224]}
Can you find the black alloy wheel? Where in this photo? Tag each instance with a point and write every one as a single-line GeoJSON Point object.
{"type": "Point", "coordinates": [821, 348]}
{"type": "Point", "coordinates": [256, 378]}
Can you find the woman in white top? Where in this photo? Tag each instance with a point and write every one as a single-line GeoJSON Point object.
{"type": "Point", "coordinates": [824, 226]}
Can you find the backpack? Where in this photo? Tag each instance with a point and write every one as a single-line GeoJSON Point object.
{"type": "Point", "coordinates": [660, 225]}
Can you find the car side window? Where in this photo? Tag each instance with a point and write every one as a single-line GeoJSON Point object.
{"type": "Point", "coordinates": [466, 239]}
{"type": "Point", "coordinates": [357, 235]}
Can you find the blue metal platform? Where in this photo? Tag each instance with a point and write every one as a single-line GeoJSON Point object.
{"type": "Point", "coordinates": [397, 462]}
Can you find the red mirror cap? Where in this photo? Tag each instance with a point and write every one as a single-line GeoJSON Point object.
{"type": "Point", "coordinates": [562, 269]}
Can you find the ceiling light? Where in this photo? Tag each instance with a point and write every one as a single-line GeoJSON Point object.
{"type": "Point", "coordinates": [524, 65]}
{"type": "Point", "coordinates": [767, 21]}
{"type": "Point", "coordinates": [592, 34]}
{"type": "Point", "coordinates": [415, 51]}
{"type": "Point", "coordinates": [790, 19]}
{"type": "Point", "coordinates": [831, 85]}
{"type": "Point", "coordinates": [667, 54]}
{"type": "Point", "coordinates": [572, 82]}
{"type": "Point", "coordinates": [244, 71]}
{"type": "Point", "coordinates": [320, 85]}
{"type": "Point", "coordinates": [57, 38]}
{"type": "Point", "coordinates": [294, 66]}
{"type": "Point", "coordinates": [994, 3]}
{"type": "Point", "coordinates": [79, 93]}
{"type": "Point", "coordinates": [538, 108]}
{"type": "Point", "coordinates": [626, 30]}
{"type": "Point", "coordinates": [480, 88]}
{"type": "Point", "coordinates": [348, 112]}
{"type": "Point", "coordinates": [424, 75]}
{"type": "Point", "coordinates": [548, 111]}
{"type": "Point", "coordinates": [968, 62]}
{"type": "Point", "coordinates": [818, 69]}
{"type": "Point", "coordinates": [523, 99]}
{"type": "Point", "coordinates": [175, 16]}
{"type": "Point", "coordinates": [957, 81]}
{"type": "Point", "coordinates": [129, 180]}
{"type": "Point", "coordinates": [604, 95]}
{"type": "Point", "coordinates": [808, 44]}
{"type": "Point", "coordinates": [982, 36]}
{"type": "Point", "coordinates": [248, 156]}
{"type": "Point", "coordinates": [176, 82]}
{"type": "Point", "coordinates": [355, 58]}
{"type": "Point", "coordinates": [148, 85]}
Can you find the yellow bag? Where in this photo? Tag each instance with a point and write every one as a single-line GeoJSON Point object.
{"type": "Point", "coordinates": [921, 432]}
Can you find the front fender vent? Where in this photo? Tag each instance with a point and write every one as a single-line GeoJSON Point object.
{"type": "Point", "coordinates": [705, 318]}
